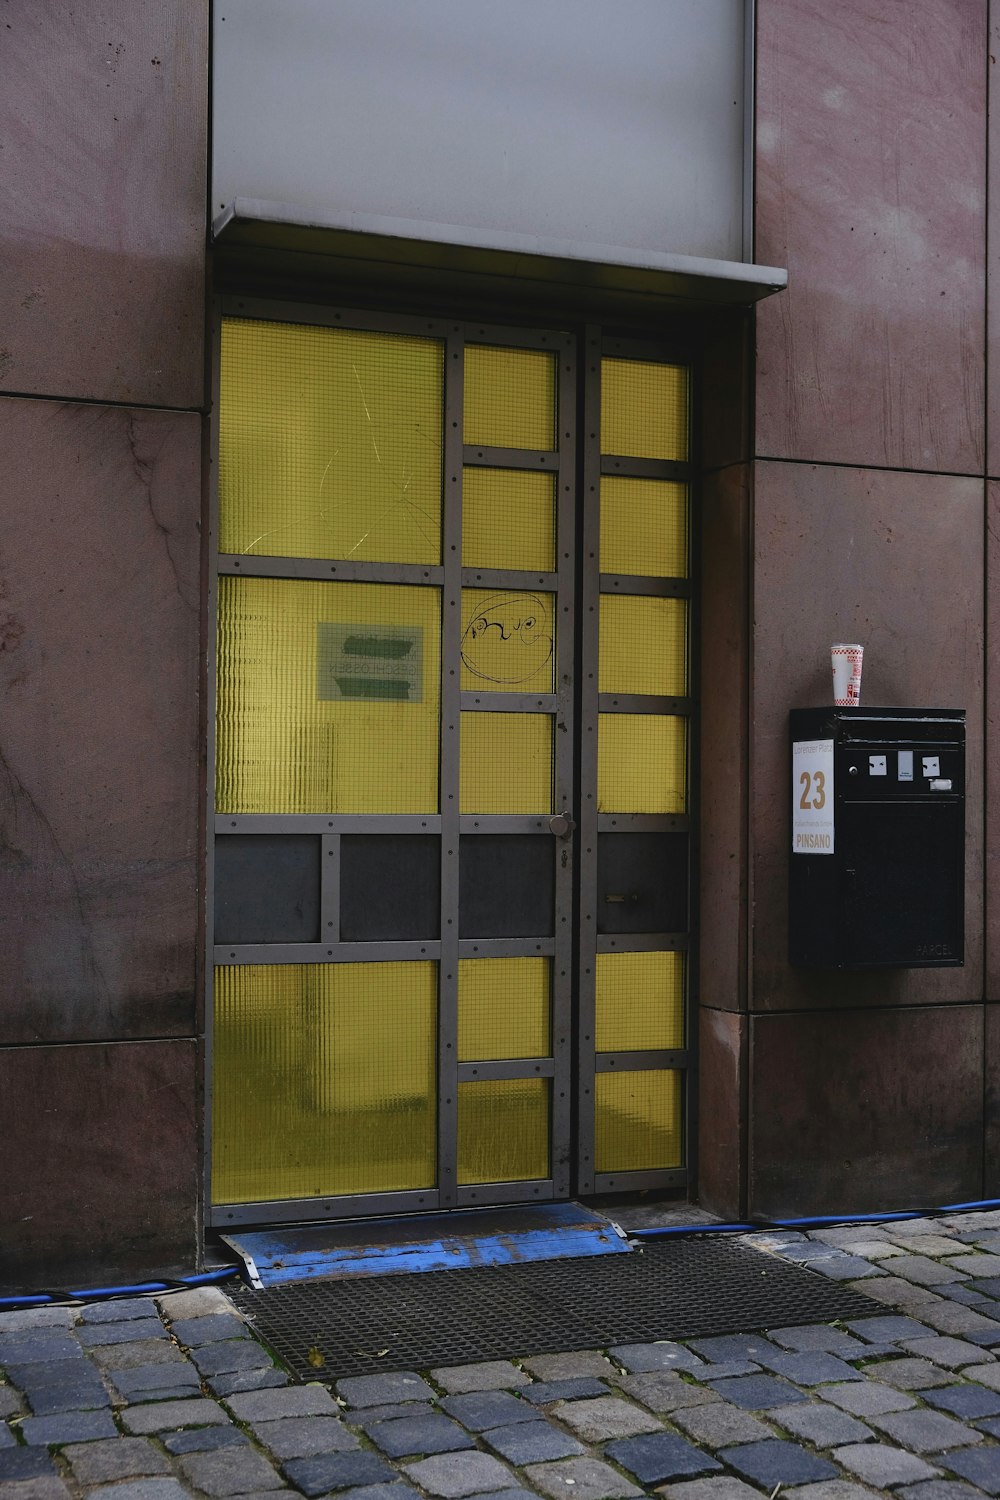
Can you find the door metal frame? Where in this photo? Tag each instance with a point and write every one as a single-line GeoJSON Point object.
{"type": "Point", "coordinates": [449, 578]}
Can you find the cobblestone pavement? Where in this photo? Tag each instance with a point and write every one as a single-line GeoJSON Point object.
{"type": "Point", "coordinates": [161, 1398]}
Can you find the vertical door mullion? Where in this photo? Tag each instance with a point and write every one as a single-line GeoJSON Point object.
{"type": "Point", "coordinates": [590, 448]}
{"type": "Point", "coordinates": [451, 642]}
{"type": "Point", "coordinates": [564, 756]}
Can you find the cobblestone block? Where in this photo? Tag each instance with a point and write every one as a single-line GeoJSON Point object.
{"type": "Point", "coordinates": [582, 1362]}
{"type": "Point", "coordinates": [926, 1431]}
{"type": "Point", "coordinates": [580, 1479]}
{"type": "Point", "coordinates": [26, 1318]}
{"type": "Point", "coordinates": [432, 1434]}
{"type": "Point", "coordinates": [544, 1392]}
{"type": "Point", "coordinates": [103, 1334]}
{"type": "Point", "coordinates": [940, 1489]}
{"type": "Point", "coordinates": [758, 1392]}
{"type": "Point", "coordinates": [831, 1489]}
{"type": "Point", "coordinates": [606, 1417]}
{"type": "Point", "coordinates": [868, 1399]}
{"type": "Point", "coordinates": [339, 1471]}
{"type": "Point", "coordinates": [986, 1286]}
{"type": "Point", "coordinates": [975, 1265]}
{"type": "Point", "coordinates": [959, 1321]}
{"type": "Point", "coordinates": [167, 1416]}
{"type": "Point", "coordinates": [119, 1310]}
{"type": "Point", "coordinates": [848, 1267]}
{"type": "Point", "coordinates": [986, 1375]}
{"type": "Point", "coordinates": [65, 1386]}
{"type": "Point", "coordinates": [728, 1369]}
{"type": "Point", "coordinates": [811, 1367]}
{"type": "Point", "coordinates": [872, 1249]}
{"type": "Point", "coordinates": [893, 1291]}
{"type": "Point", "coordinates": [910, 1229]}
{"type": "Point", "coordinates": [908, 1374]}
{"type": "Point", "coordinates": [733, 1346]}
{"type": "Point", "coordinates": [454, 1475]}
{"type": "Point", "coordinates": [931, 1243]}
{"type": "Point", "coordinates": [659, 1456]}
{"type": "Point", "coordinates": [130, 1356]}
{"type": "Point", "coordinates": [7, 1438]}
{"type": "Point", "coordinates": [229, 1356]}
{"type": "Point", "coordinates": [980, 1466]}
{"type": "Point", "coordinates": [154, 1382]}
{"type": "Point", "coordinates": [293, 1401]}
{"type": "Point", "coordinates": [400, 1491]}
{"type": "Point", "coordinates": [10, 1401]}
{"type": "Point", "coordinates": [965, 1401]}
{"type": "Point", "coordinates": [196, 1303]}
{"type": "Point", "coordinates": [384, 1390]}
{"type": "Point", "coordinates": [490, 1375]}
{"type": "Point", "coordinates": [720, 1487]}
{"type": "Point", "coordinates": [948, 1353]}
{"type": "Point", "coordinates": [266, 1377]}
{"type": "Point", "coordinates": [989, 1425]}
{"type": "Point", "coordinates": [803, 1338]}
{"type": "Point", "coordinates": [230, 1471]}
{"type": "Point", "coordinates": [142, 1489]}
{"type": "Point", "coordinates": [924, 1271]}
{"type": "Point", "coordinates": [68, 1427]}
{"type": "Point", "coordinates": [204, 1439]}
{"type": "Point", "coordinates": [639, 1359]}
{"type": "Point", "coordinates": [887, 1330]}
{"type": "Point", "coordinates": [193, 1332]}
{"type": "Point", "coordinates": [120, 1458]}
{"type": "Point", "coordinates": [720, 1425]}
{"type": "Point", "coordinates": [663, 1390]}
{"type": "Point", "coordinates": [823, 1426]}
{"type": "Point", "coordinates": [37, 1347]}
{"type": "Point", "coordinates": [367, 1416]}
{"type": "Point", "coordinates": [879, 1465]}
{"type": "Point", "coordinates": [531, 1443]}
{"type": "Point", "coordinates": [479, 1410]}
{"type": "Point", "coordinates": [778, 1462]}
{"type": "Point", "coordinates": [24, 1463]}
{"type": "Point", "coordinates": [303, 1437]}
{"type": "Point", "coordinates": [964, 1292]}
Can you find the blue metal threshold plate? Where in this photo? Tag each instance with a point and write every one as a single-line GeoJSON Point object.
{"type": "Point", "coordinates": [434, 1242]}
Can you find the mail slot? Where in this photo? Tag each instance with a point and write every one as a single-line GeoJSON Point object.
{"type": "Point", "coordinates": [877, 875]}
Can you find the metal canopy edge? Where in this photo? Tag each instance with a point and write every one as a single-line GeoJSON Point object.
{"type": "Point", "coordinates": [255, 233]}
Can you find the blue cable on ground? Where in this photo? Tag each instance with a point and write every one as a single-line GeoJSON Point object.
{"type": "Point", "coordinates": [103, 1293]}
{"type": "Point", "coordinates": [819, 1221]}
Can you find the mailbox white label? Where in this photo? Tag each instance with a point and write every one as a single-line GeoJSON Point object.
{"type": "Point", "coordinates": [812, 797]}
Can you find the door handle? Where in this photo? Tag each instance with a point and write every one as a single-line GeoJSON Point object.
{"type": "Point", "coordinates": [562, 825]}
{"type": "Point", "coordinates": [630, 898]}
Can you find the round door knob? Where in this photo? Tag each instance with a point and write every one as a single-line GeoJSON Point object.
{"type": "Point", "coordinates": [561, 825]}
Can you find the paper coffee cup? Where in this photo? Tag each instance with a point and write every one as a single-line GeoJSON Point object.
{"type": "Point", "coordinates": [846, 663]}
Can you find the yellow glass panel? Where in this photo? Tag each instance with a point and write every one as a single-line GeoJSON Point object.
{"type": "Point", "coordinates": [503, 1008]}
{"type": "Point", "coordinates": [643, 645]}
{"type": "Point", "coordinates": [637, 1121]}
{"type": "Point", "coordinates": [640, 1001]}
{"type": "Point", "coordinates": [506, 763]}
{"type": "Point", "coordinates": [510, 398]}
{"type": "Point", "coordinates": [644, 527]}
{"type": "Point", "coordinates": [508, 519]}
{"type": "Point", "coordinates": [508, 641]}
{"type": "Point", "coordinates": [644, 409]}
{"type": "Point", "coordinates": [641, 763]}
{"type": "Point", "coordinates": [328, 697]}
{"type": "Point", "coordinates": [324, 1080]}
{"type": "Point", "coordinates": [329, 443]}
{"type": "Point", "coordinates": [503, 1130]}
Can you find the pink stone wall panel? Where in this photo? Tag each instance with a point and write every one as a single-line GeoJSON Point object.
{"type": "Point", "coordinates": [870, 174]}
{"type": "Point", "coordinates": [103, 119]}
{"type": "Point", "coordinates": [894, 561]}
{"type": "Point", "coordinates": [722, 1069]}
{"type": "Point", "coordinates": [725, 520]}
{"type": "Point", "coordinates": [99, 686]}
{"type": "Point", "coordinates": [99, 1162]}
{"type": "Point", "coordinates": [992, 857]}
{"type": "Point", "coordinates": [993, 250]}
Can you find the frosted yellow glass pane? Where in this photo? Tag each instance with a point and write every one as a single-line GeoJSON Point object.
{"type": "Point", "coordinates": [329, 443]}
{"type": "Point", "coordinates": [644, 409]}
{"type": "Point", "coordinates": [508, 519]}
{"type": "Point", "coordinates": [508, 641]}
{"type": "Point", "coordinates": [643, 645]}
{"type": "Point", "coordinates": [510, 398]}
{"type": "Point", "coordinates": [637, 1121]}
{"type": "Point", "coordinates": [644, 527]}
{"type": "Point", "coordinates": [324, 1080]}
{"type": "Point", "coordinates": [506, 763]}
{"type": "Point", "coordinates": [328, 697]}
{"type": "Point", "coordinates": [503, 1130]}
{"type": "Point", "coordinates": [503, 1008]}
{"type": "Point", "coordinates": [641, 763]}
{"type": "Point", "coordinates": [640, 1001]}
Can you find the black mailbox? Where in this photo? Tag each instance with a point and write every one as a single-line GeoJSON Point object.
{"type": "Point", "coordinates": [877, 874]}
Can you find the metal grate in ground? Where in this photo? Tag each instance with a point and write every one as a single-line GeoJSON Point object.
{"type": "Point", "coordinates": [679, 1289]}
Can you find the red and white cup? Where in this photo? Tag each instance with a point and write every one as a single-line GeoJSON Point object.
{"type": "Point", "coordinates": [846, 663]}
